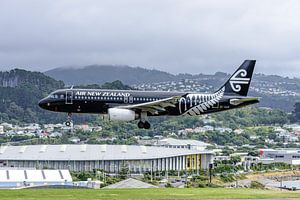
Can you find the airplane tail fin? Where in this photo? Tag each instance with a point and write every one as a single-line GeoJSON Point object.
{"type": "Point", "coordinates": [239, 82]}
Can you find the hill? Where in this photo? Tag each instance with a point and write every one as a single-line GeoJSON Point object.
{"type": "Point", "coordinates": [276, 91]}
{"type": "Point", "coordinates": [20, 91]}
{"type": "Point", "coordinates": [99, 74]}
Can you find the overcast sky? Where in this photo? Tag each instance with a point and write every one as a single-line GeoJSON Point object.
{"type": "Point", "coordinates": [191, 36]}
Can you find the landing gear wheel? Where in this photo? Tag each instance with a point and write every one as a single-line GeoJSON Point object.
{"type": "Point", "coordinates": [141, 124]}
{"type": "Point", "coordinates": [69, 120]}
{"type": "Point", "coordinates": [68, 123]}
{"type": "Point", "coordinates": [147, 125]}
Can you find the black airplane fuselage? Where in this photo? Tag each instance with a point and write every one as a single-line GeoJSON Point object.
{"type": "Point", "coordinates": [128, 105]}
{"type": "Point", "coordinates": [99, 101]}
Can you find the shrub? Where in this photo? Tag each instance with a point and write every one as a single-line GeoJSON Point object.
{"type": "Point", "coordinates": [256, 185]}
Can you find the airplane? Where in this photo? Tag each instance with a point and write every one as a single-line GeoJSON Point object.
{"type": "Point", "coordinates": [130, 105]}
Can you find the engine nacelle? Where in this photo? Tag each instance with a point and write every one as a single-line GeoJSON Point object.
{"type": "Point", "coordinates": [121, 114]}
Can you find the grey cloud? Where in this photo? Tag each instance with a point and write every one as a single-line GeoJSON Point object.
{"type": "Point", "coordinates": [172, 35]}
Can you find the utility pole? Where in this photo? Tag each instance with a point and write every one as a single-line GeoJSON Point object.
{"type": "Point", "coordinates": [210, 172]}
{"type": "Point", "coordinates": [151, 171]}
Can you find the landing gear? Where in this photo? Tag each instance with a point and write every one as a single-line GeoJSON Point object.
{"type": "Point", "coordinates": [140, 124]}
{"type": "Point", "coordinates": [146, 125]}
{"type": "Point", "coordinates": [143, 123]}
{"type": "Point", "coordinates": [68, 123]}
{"type": "Point", "coordinates": [69, 120]}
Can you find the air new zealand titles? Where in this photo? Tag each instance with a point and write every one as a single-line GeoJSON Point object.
{"type": "Point", "coordinates": [129, 105]}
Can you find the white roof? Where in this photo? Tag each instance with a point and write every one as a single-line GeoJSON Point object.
{"type": "Point", "coordinates": [35, 175]}
{"type": "Point", "coordinates": [91, 152]}
{"type": "Point", "coordinates": [283, 151]}
{"type": "Point", "coordinates": [172, 141]}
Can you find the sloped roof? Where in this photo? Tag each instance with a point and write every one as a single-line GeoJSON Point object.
{"type": "Point", "coordinates": [172, 141]}
{"type": "Point", "coordinates": [91, 152]}
{"type": "Point", "coordinates": [131, 183]}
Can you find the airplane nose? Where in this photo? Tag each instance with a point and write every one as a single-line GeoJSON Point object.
{"type": "Point", "coordinates": [43, 103]}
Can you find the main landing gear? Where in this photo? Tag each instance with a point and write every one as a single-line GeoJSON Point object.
{"type": "Point", "coordinates": [143, 123]}
{"type": "Point", "coordinates": [69, 120]}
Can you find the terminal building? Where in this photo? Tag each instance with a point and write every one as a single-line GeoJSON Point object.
{"type": "Point", "coordinates": [111, 158]}
{"type": "Point", "coordinates": [288, 156]}
{"type": "Point", "coordinates": [182, 144]}
{"type": "Point", "coordinates": [31, 177]}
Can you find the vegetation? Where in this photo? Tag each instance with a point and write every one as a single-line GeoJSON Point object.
{"type": "Point", "coordinates": [21, 90]}
{"type": "Point", "coordinates": [145, 194]}
{"type": "Point", "coordinates": [256, 185]}
{"type": "Point", "coordinates": [271, 167]}
{"type": "Point", "coordinates": [32, 86]}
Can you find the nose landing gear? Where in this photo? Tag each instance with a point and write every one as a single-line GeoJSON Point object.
{"type": "Point", "coordinates": [69, 120]}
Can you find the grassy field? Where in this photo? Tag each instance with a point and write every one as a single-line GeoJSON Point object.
{"type": "Point", "coordinates": [144, 194]}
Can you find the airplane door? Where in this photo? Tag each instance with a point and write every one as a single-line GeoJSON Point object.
{"type": "Point", "coordinates": [125, 99]}
{"type": "Point", "coordinates": [130, 99]}
{"type": "Point", "coordinates": [69, 97]}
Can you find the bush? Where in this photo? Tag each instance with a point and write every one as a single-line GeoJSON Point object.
{"type": "Point", "coordinates": [256, 185]}
{"type": "Point", "coordinates": [202, 185]}
{"type": "Point", "coordinates": [227, 178]}
{"type": "Point", "coordinates": [168, 185]}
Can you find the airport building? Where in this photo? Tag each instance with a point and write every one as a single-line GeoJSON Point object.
{"type": "Point", "coordinates": [111, 158]}
{"type": "Point", "coordinates": [182, 144]}
{"type": "Point", "coordinates": [288, 156]}
{"type": "Point", "coordinates": [31, 177]}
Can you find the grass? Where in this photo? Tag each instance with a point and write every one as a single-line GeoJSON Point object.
{"type": "Point", "coordinates": [144, 194]}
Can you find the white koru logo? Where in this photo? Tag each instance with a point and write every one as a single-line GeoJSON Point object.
{"type": "Point", "coordinates": [239, 79]}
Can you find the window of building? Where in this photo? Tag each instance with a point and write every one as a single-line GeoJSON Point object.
{"type": "Point", "coordinates": [279, 156]}
{"type": "Point", "coordinates": [296, 157]}
{"type": "Point", "coordinates": [188, 162]}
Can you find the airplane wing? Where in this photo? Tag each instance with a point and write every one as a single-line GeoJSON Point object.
{"type": "Point", "coordinates": [154, 107]}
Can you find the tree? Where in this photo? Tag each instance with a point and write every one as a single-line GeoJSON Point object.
{"type": "Point", "coordinates": [124, 171]}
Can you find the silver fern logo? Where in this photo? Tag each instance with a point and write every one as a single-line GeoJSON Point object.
{"type": "Point", "coordinates": [207, 101]}
{"type": "Point", "coordinates": [239, 79]}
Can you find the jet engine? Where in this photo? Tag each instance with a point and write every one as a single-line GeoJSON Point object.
{"type": "Point", "coordinates": [121, 114]}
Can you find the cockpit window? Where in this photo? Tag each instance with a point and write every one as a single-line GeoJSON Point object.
{"type": "Point", "coordinates": [54, 96]}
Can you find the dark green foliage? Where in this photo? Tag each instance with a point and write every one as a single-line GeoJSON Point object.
{"type": "Point", "coordinates": [227, 178]}
{"type": "Point", "coordinates": [82, 176]}
{"type": "Point", "coordinates": [20, 92]}
{"type": "Point", "coordinates": [272, 166]}
{"type": "Point", "coordinates": [115, 85]}
{"type": "Point", "coordinates": [256, 185]}
{"type": "Point", "coordinates": [124, 172]}
{"type": "Point", "coordinates": [252, 117]}
{"type": "Point", "coordinates": [107, 73]}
